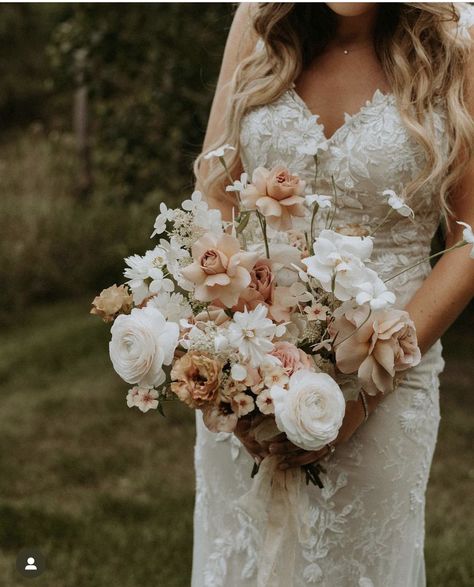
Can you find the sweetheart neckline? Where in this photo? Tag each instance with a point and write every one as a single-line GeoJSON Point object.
{"type": "Point", "coordinates": [374, 100]}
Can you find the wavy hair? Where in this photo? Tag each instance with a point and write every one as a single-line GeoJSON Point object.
{"type": "Point", "coordinates": [421, 53]}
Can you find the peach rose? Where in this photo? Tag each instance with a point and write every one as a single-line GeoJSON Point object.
{"type": "Point", "coordinates": [111, 301]}
{"type": "Point", "coordinates": [196, 379]}
{"type": "Point", "coordinates": [292, 358]}
{"type": "Point", "coordinates": [260, 289]}
{"type": "Point", "coordinates": [276, 194]}
{"type": "Point", "coordinates": [221, 270]}
{"type": "Point", "coordinates": [376, 349]}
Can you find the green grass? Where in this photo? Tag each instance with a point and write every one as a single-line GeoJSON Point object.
{"type": "Point", "coordinates": [107, 493]}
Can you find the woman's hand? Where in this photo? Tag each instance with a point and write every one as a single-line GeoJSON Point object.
{"type": "Point", "coordinates": [294, 456]}
{"type": "Point", "coordinates": [245, 433]}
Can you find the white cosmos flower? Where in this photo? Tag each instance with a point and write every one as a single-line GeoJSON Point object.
{"type": "Point", "coordinates": [339, 258]}
{"type": "Point", "coordinates": [166, 215]}
{"type": "Point", "coordinates": [322, 200]}
{"type": "Point", "coordinates": [398, 204]}
{"type": "Point", "coordinates": [311, 410]}
{"type": "Point", "coordinates": [219, 152]}
{"type": "Point", "coordinates": [251, 333]}
{"type": "Point", "coordinates": [142, 342]}
{"type": "Point", "coordinates": [468, 236]}
{"type": "Point", "coordinates": [238, 185]}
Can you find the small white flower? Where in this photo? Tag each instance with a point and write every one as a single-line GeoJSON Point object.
{"type": "Point", "coordinates": [238, 185]}
{"type": "Point", "coordinates": [173, 252]}
{"type": "Point", "coordinates": [195, 204]}
{"type": "Point", "coordinates": [251, 333]}
{"type": "Point", "coordinates": [144, 269]}
{"type": "Point", "coordinates": [242, 404]}
{"type": "Point", "coordinates": [468, 236]}
{"type": "Point", "coordinates": [322, 200]}
{"type": "Point", "coordinates": [159, 282]}
{"type": "Point", "coordinates": [398, 204]}
{"type": "Point", "coordinates": [173, 306]}
{"type": "Point", "coordinates": [147, 399]}
{"type": "Point", "coordinates": [166, 215]}
{"type": "Point", "coordinates": [132, 396]}
{"type": "Point", "coordinates": [274, 375]}
{"type": "Point", "coordinates": [238, 372]}
{"type": "Point", "coordinates": [264, 402]}
{"type": "Point", "coordinates": [219, 152]}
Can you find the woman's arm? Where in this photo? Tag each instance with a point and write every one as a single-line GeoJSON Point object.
{"type": "Point", "coordinates": [240, 43]}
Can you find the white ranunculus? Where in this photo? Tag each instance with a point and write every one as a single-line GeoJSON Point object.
{"type": "Point", "coordinates": [311, 410]}
{"type": "Point", "coordinates": [142, 342]}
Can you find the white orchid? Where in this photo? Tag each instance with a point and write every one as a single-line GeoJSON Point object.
{"type": "Point", "coordinates": [468, 236]}
{"type": "Point", "coordinates": [238, 185]}
{"type": "Point", "coordinates": [372, 290]}
{"type": "Point", "coordinates": [398, 204]}
{"type": "Point", "coordinates": [219, 152]}
{"type": "Point", "coordinates": [321, 200]}
{"type": "Point", "coordinates": [338, 262]}
{"type": "Point", "coordinates": [251, 333]}
{"type": "Point", "coordinates": [166, 215]}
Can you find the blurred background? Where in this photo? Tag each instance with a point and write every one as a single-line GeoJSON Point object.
{"type": "Point", "coordinates": [103, 109]}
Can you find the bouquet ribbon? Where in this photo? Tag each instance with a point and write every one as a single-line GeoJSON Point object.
{"type": "Point", "coordinates": [276, 503]}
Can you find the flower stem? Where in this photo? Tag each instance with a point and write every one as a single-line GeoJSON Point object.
{"type": "Point", "coordinates": [384, 220]}
{"type": "Point", "coordinates": [335, 202]}
{"type": "Point", "coordinates": [263, 226]}
{"type": "Point", "coordinates": [456, 246]}
{"type": "Point", "coordinates": [229, 177]}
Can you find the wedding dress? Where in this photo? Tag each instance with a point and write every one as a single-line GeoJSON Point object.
{"type": "Point", "coordinates": [367, 524]}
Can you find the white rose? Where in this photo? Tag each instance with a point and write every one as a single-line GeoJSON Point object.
{"type": "Point", "coordinates": [142, 342]}
{"type": "Point", "coordinates": [311, 410]}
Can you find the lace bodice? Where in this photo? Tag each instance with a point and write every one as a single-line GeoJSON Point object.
{"type": "Point", "coordinates": [372, 151]}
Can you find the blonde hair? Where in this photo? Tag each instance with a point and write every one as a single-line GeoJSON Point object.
{"type": "Point", "coordinates": [423, 57]}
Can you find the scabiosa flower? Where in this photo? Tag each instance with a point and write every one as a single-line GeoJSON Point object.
{"type": "Point", "coordinates": [468, 236]}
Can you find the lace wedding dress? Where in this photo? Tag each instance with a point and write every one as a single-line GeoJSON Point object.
{"type": "Point", "coordinates": [367, 524]}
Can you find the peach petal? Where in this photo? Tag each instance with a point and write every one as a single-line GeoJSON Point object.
{"type": "Point", "coordinates": [194, 273]}
{"type": "Point", "coordinates": [228, 244]}
{"type": "Point", "coordinates": [206, 242]}
{"type": "Point", "coordinates": [269, 207]}
{"type": "Point", "coordinates": [218, 279]}
{"type": "Point", "coordinates": [291, 201]}
{"type": "Point", "coordinates": [249, 197]}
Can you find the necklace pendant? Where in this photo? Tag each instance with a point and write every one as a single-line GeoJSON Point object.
{"type": "Point", "coordinates": [346, 51]}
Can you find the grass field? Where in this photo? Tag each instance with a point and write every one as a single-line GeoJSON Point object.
{"type": "Point", "coordinates": [107, 493]}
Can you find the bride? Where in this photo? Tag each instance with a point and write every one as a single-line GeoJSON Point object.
{"type": "Point", "coordinates": [384, 93]}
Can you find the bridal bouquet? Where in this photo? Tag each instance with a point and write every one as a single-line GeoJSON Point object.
{"type": "Point", "coordinates": [248, 316]}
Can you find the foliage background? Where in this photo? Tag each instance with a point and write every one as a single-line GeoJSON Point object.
{"type": "Point", "coordinates": [106, 492]}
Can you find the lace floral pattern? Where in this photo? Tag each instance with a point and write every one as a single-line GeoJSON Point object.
{"type": "Point", "coordinates": [367, 524]}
